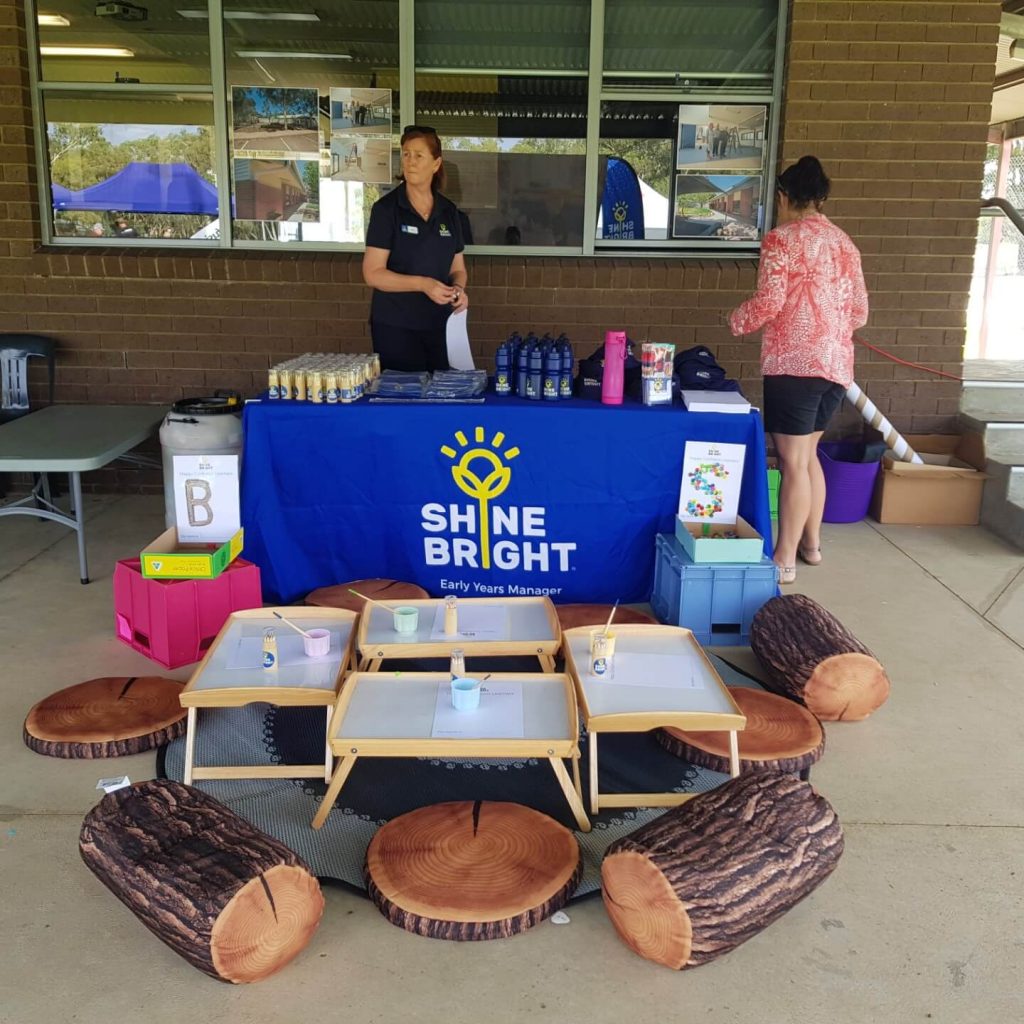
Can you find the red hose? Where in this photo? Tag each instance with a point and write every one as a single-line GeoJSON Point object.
{"type": "Point", "coordinates": [904, 362]}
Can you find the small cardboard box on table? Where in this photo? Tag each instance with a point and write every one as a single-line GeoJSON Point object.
{"type": "Point", "coordinates": [944, 490]}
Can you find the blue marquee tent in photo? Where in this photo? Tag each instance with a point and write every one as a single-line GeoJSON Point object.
{"type": "Point", "coordinates": [62, 196]}
{"type": "Point", "coordinates": [146, 188]}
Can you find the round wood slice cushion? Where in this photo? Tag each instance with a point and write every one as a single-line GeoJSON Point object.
{"type": "Point", "coordinates": [339, 596]}
{"type": "Point", "coordinates": [467, 871]}
{"type": "Point", "coordinates": [107, 717]}
{"type": "Point", "coordinates": [780, 735]}
{"type": "Point", "coordinates": [572, 615]}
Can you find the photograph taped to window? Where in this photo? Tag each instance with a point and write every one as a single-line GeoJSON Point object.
{"type": "Point", "coordinates": [730, 138]}
{"type": "Point", "coordinates": [720, 206]}
{"type": "Point", "coordinates": [360, 111]}
{"type": "Point", "coordinates": [275, 122]}
{"type": "Point", "coordinates": [277, 190]}
{"type": "Point", "coordinates": [131, 180]}
{"type": "Point", "coordinates": [361, 158]}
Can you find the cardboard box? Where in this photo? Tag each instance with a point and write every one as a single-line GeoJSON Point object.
{"type": "Point", "coordinates": [943, 491]}
{"type": "Point", "coordinates": [747, 547]}
{"type": "Point", "coordinates": [168, 559]}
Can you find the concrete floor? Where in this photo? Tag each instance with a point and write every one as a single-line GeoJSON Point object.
{"type": "Point", "coordinates": [922, 921]}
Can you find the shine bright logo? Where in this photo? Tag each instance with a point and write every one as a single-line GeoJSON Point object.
{"type": "Point", "coordinates": [484, 534]}
{"type": "Point", "coordinates": [620, 210]}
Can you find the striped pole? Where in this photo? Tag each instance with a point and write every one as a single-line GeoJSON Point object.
{"type": "Point", "coordinates": [893, 438]}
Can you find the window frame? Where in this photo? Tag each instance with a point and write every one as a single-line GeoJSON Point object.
{"type": "Point", "coordinates": [601, 88]}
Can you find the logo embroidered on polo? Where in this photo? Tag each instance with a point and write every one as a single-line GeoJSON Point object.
{"type": "Point", "coordinates": [444, 232]}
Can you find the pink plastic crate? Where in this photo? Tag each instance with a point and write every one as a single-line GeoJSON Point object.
{"type": "Point", "coordinates": [175, 621]}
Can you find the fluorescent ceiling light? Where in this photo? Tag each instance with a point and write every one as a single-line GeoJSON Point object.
{"type": "Point", "coordinates": [292, 55]}
{"type": "Point", "coordinates": [253, 15]}
{"type": "Point", "coordinates": [52, 20]}
{"type": "Point", "coordinates": [86, 51]}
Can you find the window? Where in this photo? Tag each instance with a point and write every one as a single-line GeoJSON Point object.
{"type": "Point", "coordinates": [568, 126]}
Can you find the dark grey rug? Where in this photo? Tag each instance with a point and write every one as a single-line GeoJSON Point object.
{"type": "Point", "coordinates": [382, 788]}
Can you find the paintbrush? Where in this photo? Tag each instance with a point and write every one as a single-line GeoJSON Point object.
{"type": "Point", "coordinates": [288, 622]}
{"type": "Point", "coordinates": [607, 625]}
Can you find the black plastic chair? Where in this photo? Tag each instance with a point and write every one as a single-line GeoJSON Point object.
{"type": "Point", "coordinates": [15, 352]}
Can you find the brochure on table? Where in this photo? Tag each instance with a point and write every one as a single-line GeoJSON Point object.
{"type": "Point", "coordinates": [709, 492]}
{"type": "Point", "coordinates": [498, 717]}
{"type": "Point", "coordinates": [206, 505]}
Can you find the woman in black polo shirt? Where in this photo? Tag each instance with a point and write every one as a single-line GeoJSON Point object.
{"type": "Point", "coordinates": [413, 261]}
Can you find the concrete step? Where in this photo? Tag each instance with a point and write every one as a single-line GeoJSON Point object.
{"type": "Point", "coordinates": [1004, 441]}
{"type": "Point", "coordinates": [1002, 502]}
{"type": "Point", "coordinates": [1002, 402]}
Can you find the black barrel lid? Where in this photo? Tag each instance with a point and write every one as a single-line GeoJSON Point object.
{"type": "Point", "coordinates": [219, 404]}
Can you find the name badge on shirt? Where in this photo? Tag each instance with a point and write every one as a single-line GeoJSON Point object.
{"type": "Point", "coordinates": [410, 229]}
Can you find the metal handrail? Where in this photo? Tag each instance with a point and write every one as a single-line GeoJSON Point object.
{"type": "Point", "coordinates": [1009, 212]}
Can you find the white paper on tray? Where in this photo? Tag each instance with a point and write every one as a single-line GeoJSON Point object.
{"type": "Point", "coordinates": [247, 655]}
{"type": "Point", "coordinates": [476, 622]}
{"type": "Point", "coordinates": [665, 671]}
{"type": "Point", "coordinates": [499, 716]}
{"type": "Point", "coordinates": [709, 491]}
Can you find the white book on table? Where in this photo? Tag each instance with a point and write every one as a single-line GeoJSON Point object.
{"type": "Point", "coordinates": [715, 401]}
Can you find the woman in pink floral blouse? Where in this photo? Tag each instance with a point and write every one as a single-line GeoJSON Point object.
{"type": "Point", "coordinates": [810, 299]}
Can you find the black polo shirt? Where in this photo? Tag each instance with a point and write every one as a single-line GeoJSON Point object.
{"type": "Point", "coordinates": [416, 246]}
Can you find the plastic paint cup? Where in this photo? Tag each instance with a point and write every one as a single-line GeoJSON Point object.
{"type": "Point", "coordinates": [318, 643]}
{"type": "Point", "coordinates": [465, 694]}
{"type": "Point", "coordinates": [609, 639]}
{"type": "Point", "coordinates": [407, 619]}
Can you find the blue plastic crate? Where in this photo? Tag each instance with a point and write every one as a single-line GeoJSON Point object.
{"type": "Point", "coordinates": [716, 600]}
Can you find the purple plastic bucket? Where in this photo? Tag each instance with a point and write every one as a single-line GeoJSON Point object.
{"type": "Point", "coordinates": [848, 481]}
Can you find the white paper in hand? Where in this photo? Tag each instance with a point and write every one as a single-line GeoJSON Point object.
{"type": "Point", "coordinates": [459, 355]}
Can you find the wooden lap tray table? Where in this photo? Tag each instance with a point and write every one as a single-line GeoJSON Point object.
{"type": "Point", "coordinates": [668, 654]}
{"type": "Point", "coordinates": [392, 715]}
{"type": "Point", "coordinates": [71, 439]}
{"type": "Point", "coordinates": [231, 676]}
{"type": "Point", "coordinates": [531, 628]}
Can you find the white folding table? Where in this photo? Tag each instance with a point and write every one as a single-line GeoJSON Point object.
{"type": "Point", "coordinates": [71, 439]}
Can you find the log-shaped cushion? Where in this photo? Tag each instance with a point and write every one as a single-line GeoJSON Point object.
{"type": "Point", "coordinates": [780, 734]}
{"type": "Point", "coordinates": [810, 657]}
{"type": "Point", "coordinates": [234, 902]}
{"type": "Point", "coordinates": [107, 717]}
{"type": "Point", "coordinates": [340, 596]}
{"type": "Point", "coordinates": [572, 615]}
{"type": "Point", "coordinates": [713, 872]}
{"type": "Point", "coordinates": [468, 871]}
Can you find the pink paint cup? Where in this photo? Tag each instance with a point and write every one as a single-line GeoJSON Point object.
{"type": "Point", "coordinates": [317, 643]}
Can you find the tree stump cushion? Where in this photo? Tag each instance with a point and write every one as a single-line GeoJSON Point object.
{"type": "Point", "coordinates": [810, 657]}
{"type": "Point", "coordinates": [235, 903]}
{"type": "Point", "coordinates": [339, 596]}
{"type": "Point", "coordinates": [572, 615]}
{"type": "Point", "coordinates": [108, 717]}
{"type": "Point", "coordinates": [470, 871]}
{"type": "Point", "coordinates": [713, 872]}
{"type": "Point", "coordinates": [780, 734]}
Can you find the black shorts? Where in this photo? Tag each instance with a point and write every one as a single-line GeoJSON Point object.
{"type": "Point", "coordinates": [799, 405]}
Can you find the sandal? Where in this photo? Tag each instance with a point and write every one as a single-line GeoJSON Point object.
{"type": "Point", "coordinates": [806, 555]}
{"type": "Point", "coordinates": [787, 573]}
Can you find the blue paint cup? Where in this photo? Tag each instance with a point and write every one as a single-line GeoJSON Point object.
{"type": "Point", "coordinates": [465, 694]}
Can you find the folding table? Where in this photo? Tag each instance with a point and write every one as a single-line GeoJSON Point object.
{"type": "Point", "coordinates": [71, 439]}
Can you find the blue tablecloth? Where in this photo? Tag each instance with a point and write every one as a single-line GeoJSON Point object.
{"type": "Point", "coordinates": [505, 497]}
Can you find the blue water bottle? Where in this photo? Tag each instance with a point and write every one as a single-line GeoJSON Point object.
{"type": "Point", "coordinates": [552, 373]}
{"type": "Point", "coordinates": [565, 379]}
{"type": "Point", "coordinates": [502, 361]}
{"type": "Point", "coordinates": [535, 376]}
{"type": "Point", "coordinates": [523, 369]}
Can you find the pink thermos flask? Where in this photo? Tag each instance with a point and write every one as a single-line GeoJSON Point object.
{"type": "Point", "coordinates": [614, 367]}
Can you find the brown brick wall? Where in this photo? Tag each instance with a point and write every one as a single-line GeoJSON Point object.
{"type": "Point", "coordinates": [893, 97]}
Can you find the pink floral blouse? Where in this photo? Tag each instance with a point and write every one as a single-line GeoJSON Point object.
{"type": "Point", "coordinates": [810, 299]}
